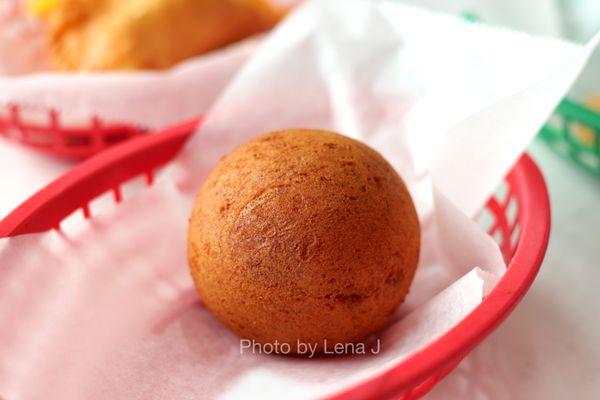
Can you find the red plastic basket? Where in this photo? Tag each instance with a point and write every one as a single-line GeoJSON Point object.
{"type": "Point", "coordinates": [46, 131]}
{"type": "Point", "coordinates": [522, 237]}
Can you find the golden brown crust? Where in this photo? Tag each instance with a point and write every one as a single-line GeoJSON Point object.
{"type": "Point", "coordinates": [151, 34]}
{"type": "Point", "coordinates": [303, 235]}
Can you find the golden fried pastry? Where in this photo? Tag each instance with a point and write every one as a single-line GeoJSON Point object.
{"type": "Point", "coordinates": [145, 34]}
{"type": "Point", "coordinates": [303, 236]}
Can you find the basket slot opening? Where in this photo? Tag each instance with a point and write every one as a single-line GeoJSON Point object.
{"type": "Point", "coordinates": [102, 203]}
{"type": "Point", "coordinates": [566, 134]}
{"type": "Point", "coordinates": [498, 237]}
{"type": "Point", "coordinates": [500, 217]}
{"type": "Point", "coordinates": [590, 160]}
{"type": "Point", "coordinates": [40, 137]}
{"type": "Point", "coordinates": [486, 220]}
{"type": "Point", "coordinates": [561, 146]}
{"type": "Point", "coordinates": [511, 212]}
{"type": "Point", "coordinates": [13, 133]}
{"type": "Point", "coordinates": [493, 230]}
{"type": "Point", "coordinates": [556, 122]}
{"type": "Point", "coordinates": [500, 230]}
{"type": "Point", "coordinates": [581, 137]}
{"type": "Point", "coordinates": [115, 137]}
{"type": "Point", "coordinates": [514, 238]}
{"type": "Point", "coordinates": [503, 193]}
{"type": "Point", "coordinates": [132, 186]}
{"type": "Point", "coordinates": [77, 140]}
{"type": "Point", "coordinates": [74, 222]}
{"type": "Point", "coordinates": [107, 200]}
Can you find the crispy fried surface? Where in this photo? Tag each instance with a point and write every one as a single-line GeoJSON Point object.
{"type": "Point", "coordinates": [145, 34]}
{"type": "Point", "coordinates": [303, 235]}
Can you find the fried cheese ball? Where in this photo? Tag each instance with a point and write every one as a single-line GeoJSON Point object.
{"type": "Point", "coordinates": [303, 236]}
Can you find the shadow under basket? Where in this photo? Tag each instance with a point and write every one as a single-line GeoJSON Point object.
{"type": "Point", "coordinates": [518, 218]}
{"type": "Point", "coordinates": [574, 132]}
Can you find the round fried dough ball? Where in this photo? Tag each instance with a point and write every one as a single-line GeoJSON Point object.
{"type": "Point", "coordinates": [303, 236]}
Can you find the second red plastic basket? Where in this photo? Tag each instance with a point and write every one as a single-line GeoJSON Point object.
{"type": "Point", "coordinates": [61, 136]}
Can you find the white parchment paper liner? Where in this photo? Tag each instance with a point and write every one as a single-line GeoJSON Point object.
{"type": "Point", "coordinates": [108, 310]}
{"type": "Point", "coordinates": [149, 99]}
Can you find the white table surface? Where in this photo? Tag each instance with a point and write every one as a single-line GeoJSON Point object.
{"type": "Point", "coordinates": [549, 348]}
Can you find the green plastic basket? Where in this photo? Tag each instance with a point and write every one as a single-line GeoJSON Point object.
{"type": "Point", "coordinates": [574, 132]}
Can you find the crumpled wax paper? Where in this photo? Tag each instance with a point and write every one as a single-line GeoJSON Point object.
{"type": "Point", "coordinates": [149, 99]}
{"type": "Point", "coordinates": [107, 308]}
